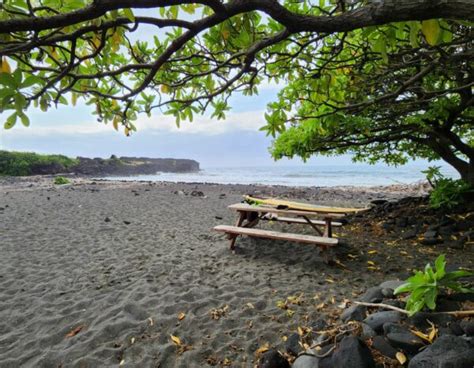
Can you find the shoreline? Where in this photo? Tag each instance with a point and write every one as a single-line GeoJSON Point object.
{"type": "Point", "coordinates": [420, 188]}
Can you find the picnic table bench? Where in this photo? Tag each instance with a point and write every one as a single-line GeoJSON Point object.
{"type": "Point", "coordinates": [249, 216]}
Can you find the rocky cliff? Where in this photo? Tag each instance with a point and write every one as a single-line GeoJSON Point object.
{"type": "Point", "coordinates": [119, 166]}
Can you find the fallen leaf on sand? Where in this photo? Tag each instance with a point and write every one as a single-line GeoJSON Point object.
{"type": "Point", "coordinates": [217, 313]}
{"type": "Point", "coordinates": [176, 340]}
{"type": "Point", "coordinates": [181, 316]}
{"type": "Point", "coordinates": [151, 321]}
{"type": "Point", "coordinates": [250, 305]}
{"type": "Point", "coordinates": [75, 331]}
{"type": "Point", "coordinates": [372, 252]}
{"type": "Point", "coordinates": [262, 349]}
{"type": "Point", "coordinates": [122, 362]}
{"type": "Point", "coordinates": [401, 358]}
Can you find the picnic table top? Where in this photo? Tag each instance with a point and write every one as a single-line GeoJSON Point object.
{"type": "Point", "coordinates": [324, 211]}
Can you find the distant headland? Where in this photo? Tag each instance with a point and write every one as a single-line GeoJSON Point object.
{"type": "Point", "coordinates": [28, 163]}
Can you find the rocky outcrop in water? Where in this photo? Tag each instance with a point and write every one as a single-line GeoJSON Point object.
{"type": "Point", "coordinates": [120, 166]}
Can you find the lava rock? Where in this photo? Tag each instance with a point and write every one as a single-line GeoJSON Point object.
{"type": "Point", "coordinates": [393, 328]}
{"type": "Point", "coordinates": [372, 295]}
{"type": "Point", "coordinates": [387, 293]}
{"type": "Point", "coordinates": [409, 234]}
{"type": "Point", "coordinates": [377, 320]}
{"type": "Point", "coordinates": [378, 202]}
{"type": "Point", "coordinates": [306, 361]}
{"type": "Point", "coordinates": [367, 331]}
{"type": "Point", "coordinates": [197, 193]}
{"type": "Point", "coordinates": [465, 225]}
{"type": "Point", "coordinates": [352, 352]}
{"type": "Point", "coordinates": [319, 325]}
{"type": "Point", "coordinates": [421, 320]}
{"type": "Point", "coordinates": [354, 313]}
{"type": "Point", "coordinates": [273, 359]}
{"type": "Point", "coordinates": [468, 327]}
{"type": "Point", "coordinates": [292, 345]}
{"type": "Point", "coordinates": [447, 351]}
{"type": "Point", "coordinates": [405, 341]}
{"type": "Point", "coordinates": [402, 222]}
{"type": "Point", "coordinates": [391, 284]}
{"type": "Point", "coordinates": [380, 344]}
{"type": "Point", "coordinates": [456, 328]}
{"type": "Point", "coordinates": [430, 237]}
{"type": "Point", "coordinates": [107, 219]}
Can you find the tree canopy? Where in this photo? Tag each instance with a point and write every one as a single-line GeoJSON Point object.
{"type": "Point", "coordinates": [387, 79]}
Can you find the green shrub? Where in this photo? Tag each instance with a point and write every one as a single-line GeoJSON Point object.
{"type": "Point", "coordinates": [446, 193]}
{"type": "Point", "coordinates": [424, 286]}
{"type": "Point", "coordinates": [22, 163]}
{"type": "Point", "coordinates": [60, 180]}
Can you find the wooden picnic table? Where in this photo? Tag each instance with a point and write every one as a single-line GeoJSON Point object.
{"type": "Point", "coordinates": [250, 215]}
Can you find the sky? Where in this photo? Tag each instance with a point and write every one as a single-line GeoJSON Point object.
{"type": "Point", "coordinates": [74, 131]}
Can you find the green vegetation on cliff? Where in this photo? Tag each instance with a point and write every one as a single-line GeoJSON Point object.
{"type": "Point", "coordinates": [24, 163]}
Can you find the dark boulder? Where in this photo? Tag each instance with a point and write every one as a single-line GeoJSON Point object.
{"type": "Point", "coordinates": [306, 361]}
{"type": "Point", "coordinates": [447, 351]}
{"type": "Point", "coordinates": [380, 344]}
{"type": "Point", "coordinates": [354, 313]}
{"type": "Point", "coordinates": [405, 341]}
{"type": "Point", "coordinates": [273, 359]}
{"type": "Point", "coordinates": [292, 344]}
{"type": "Point", "coordinates": [352, 352]}
{"type": "Point", "coordinates": [372, 295]}
{"type": "Point", "coordinates": [377, 320]}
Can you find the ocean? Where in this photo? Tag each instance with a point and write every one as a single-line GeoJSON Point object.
{"type": "Point", "coordinates": [300, 175]}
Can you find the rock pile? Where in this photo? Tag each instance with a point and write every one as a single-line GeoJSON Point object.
{"type": "Point", "coordinates": [414, 219]}
{"type": "Point", "coordinates": [367, 337]}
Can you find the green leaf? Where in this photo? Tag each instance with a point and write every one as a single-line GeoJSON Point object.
{"type": "Point", "coordinates": [454, 275]}
{"type": "Point", "coordinates": [403, 288]}
{"type": "Point", "coordinates": [31, 80]}
{"type": "Point", "coordinates": [431, 30]}
{"type": "Point", "coordinates": [440, 265]}
{"type": "Point", "coordinates": [11, 121]}
{"type": "Point", "coordinates": [430, 298]}
{"type": "Point", "coordinates": [414, 29]}
{"type": "Point", "coordinates": [129, 14]}
{"type": "Point", "coordinates": [25, 120]}
{"type": "Point", "coordinates": [380, 46]}
{"type": "Point", "coordinates": [7, 80]}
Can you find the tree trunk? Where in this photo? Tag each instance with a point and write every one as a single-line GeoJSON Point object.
{"type": "Point", "coordinates": [468, 174]}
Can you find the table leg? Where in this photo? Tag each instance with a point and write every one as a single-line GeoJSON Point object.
{"type": "Point", "coordinates": [312, 225]}
{"type": "Point", "coordinates": [240, 220]}
{"type": "Point", "coordinates": [328, 228]}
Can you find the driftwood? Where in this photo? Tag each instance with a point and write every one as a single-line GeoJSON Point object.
{"type": "Point", "coordinates": [387, 306]}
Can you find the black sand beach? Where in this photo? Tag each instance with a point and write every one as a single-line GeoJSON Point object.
{"type": "Point", "coordinates": [108, 274]}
